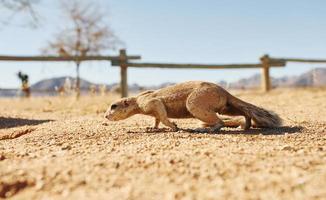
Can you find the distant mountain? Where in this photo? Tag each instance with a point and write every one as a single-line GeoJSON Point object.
{"type": "Point", "coordinates": [8, 92]}
{"type": "Point", "coordinates": [250, 82]}
{"type": "Point", "coordinates": [314, 77]}
{"type": "Point", "coordinates": [52, 83]}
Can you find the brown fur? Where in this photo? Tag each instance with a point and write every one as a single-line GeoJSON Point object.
{"type": "Point", "coordinates": [193, 99]}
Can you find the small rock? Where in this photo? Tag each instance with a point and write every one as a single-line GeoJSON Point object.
{"type": "Point", "coordinates": [40, 185]}
{"type": "Point", "coordinates": [2, 157]}
{"type": "Point", "coordinates": [66, 147]}
{"type": "Point", "coordinates": [117, 165]}
{"type": "Point", "coordinates": [105, 124]}
{"type": "Point", "coordinates": [172, 161]}
{"type": "Point", "coordinates": [287, 148]}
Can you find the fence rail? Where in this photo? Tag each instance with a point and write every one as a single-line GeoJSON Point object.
{"type": "Point", "coordinates": [201, 66]}
{"type": "Point", "coordinates": [301, 60]}
{"type": "Point", "coordinates": [64, 59]}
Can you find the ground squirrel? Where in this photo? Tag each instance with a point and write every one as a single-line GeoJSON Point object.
{"type": "Point", "coordinates": [193, 99]}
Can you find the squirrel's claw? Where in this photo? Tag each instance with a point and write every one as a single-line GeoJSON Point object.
{"type": "Point", "coordinates": [175, 127]}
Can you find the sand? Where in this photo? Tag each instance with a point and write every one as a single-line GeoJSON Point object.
{"type": "Point", "coordinates": [57, 148]}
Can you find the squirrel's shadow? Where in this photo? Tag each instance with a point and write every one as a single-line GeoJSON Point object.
{"type": "Point", "coordinates": [16, 122]}
{"type": "Point", "coordinates": [253, 131]}
{"type": "Point", "coordinates": [265, 131]}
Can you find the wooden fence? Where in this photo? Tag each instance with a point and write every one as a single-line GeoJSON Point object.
{"type": "Point", "coordinates": [124, 61]}
{"type": "Point", "coordinates": [265, 64]}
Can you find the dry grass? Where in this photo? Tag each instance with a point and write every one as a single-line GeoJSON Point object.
{"type": "Point", "coordinates": [57, 148]}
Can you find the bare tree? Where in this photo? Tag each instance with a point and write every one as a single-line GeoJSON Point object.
{"type": "Point", "coordinates": [87, 33]}
{"type": "Point", "coordinates": [20, 7]}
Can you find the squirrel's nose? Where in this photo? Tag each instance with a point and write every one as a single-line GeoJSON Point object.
{"type": "Point", "coordinates": [108, 116]}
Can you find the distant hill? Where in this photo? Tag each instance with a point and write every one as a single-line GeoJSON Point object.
{"type": "Point", "coordinates": [314, 77]}
{"type": "Point", "coordinates": [8, 92]}
{"type": "Point", "coordinates": [49, 85]}
{"type": "Point", "coordinates": [52, 83]}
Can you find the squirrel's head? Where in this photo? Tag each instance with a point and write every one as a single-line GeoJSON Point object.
{"type": "Point", "coordinates": [122, 109]}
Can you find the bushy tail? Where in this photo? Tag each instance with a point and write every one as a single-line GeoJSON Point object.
{"type": "Point", "coordinates": [262, 118]}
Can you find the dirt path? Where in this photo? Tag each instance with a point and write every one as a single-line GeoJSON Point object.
{"type": "Point", "coordinates": [55, 148]}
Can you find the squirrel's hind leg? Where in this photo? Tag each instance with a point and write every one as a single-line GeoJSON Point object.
{"type": "Point", "coordinates": [235, 122]}
{"type": "Point", "coordinates": [202, 103]}
{"type": "Point", "coordinates": [233, 111]}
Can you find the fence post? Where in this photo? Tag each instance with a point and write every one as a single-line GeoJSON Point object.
{"type": "Point", "coordinates": [265, 78]}
{"type": "Point", "coordinates": [123, 73]}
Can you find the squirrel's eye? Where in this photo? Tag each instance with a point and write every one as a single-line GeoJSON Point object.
{"type": "Point", "coordinates": [114, 106]}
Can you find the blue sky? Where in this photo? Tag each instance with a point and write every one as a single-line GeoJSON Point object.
{"type": "Point", "coordinates": [182, 31]}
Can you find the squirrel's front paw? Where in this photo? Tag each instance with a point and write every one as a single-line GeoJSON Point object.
{"type": "Point", "coordinates": [244, 126]}
{"type": "Point", "coordinates": [175, 127]}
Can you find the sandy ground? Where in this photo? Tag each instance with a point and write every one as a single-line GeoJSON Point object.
{"type": "Point", "coordinates": [56, 148]}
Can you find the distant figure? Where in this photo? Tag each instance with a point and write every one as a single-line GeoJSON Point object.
{"type": "Point", "coordinates": [24, 84]}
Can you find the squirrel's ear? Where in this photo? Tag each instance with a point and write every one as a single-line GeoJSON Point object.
{"type": "Point", "coordinates": [126, 103]}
